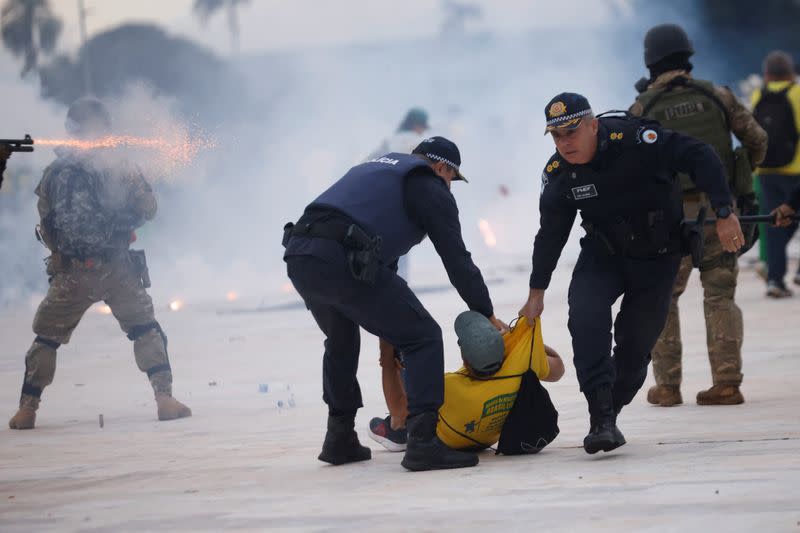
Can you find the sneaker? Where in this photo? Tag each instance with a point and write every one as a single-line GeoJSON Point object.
{"type": "Point", "coordinates": [796, 279]}
{"type": "Point", "coordinates": [380, 430]}
{"type": "Point", "coordinates": [776, 289]}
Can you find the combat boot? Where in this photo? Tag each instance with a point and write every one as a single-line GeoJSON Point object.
{"type": "Point", "coordinates": [169, 408]}
{"type": "Point", "coordinates": [720, 395]}
{"type": "Point", "coordinates": [603, 431]}
{"type": "Point", "coordinates": [25, 417]}
{"type": "Point", "coordinates": [424, 450]}
{"type": "Point", "coordinates": [665, 395]}
{"type": "Point", "coordinates": [341, 442]}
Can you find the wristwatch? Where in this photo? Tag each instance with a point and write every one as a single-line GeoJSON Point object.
{"type": "Point", "coordinates": [724, 211]}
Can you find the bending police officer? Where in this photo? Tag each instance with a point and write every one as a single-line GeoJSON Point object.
{"type": "Point", "coordinates": [709, 113]}
{"type": "Point", "coordinates": [619, 172]}
{"type": "Point", "coordinates": [342, 256]}
{"type": "Point", "coordinates": [89, 208]}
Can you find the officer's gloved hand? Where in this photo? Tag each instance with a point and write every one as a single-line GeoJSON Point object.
{"type": "Point", "coordinates": [783, 215]}
{"type": "Point", "coordinates": [730, 233]}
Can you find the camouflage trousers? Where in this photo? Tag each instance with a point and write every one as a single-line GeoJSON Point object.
{"type": "Point", "coordinates": [724, 328]}
{"type": "Point", "coordinates": [74, 287]}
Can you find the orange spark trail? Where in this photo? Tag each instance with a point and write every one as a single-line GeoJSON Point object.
{"type": "Point", "coordinates": [180, 150]}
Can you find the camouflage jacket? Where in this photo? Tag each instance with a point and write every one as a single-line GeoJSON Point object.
{"type": "Point", "coordinates": [742, 123]}
{"type": "Point", "coordinates": [121, 190]}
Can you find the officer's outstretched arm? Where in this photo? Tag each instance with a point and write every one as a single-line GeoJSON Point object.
{"type": "Point", "coordinates": [555, 223]}
{"type": "Point", "coordinates": [433, 208]}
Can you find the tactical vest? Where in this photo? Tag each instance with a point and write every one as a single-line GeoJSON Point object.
{"type": "Point", "coordinates": [691, 107]}
{"type": "Point", "coordinates": [78, 225]}
{"type": "Point", "coordinates": [372, 195]}
{"type": "Point", "coordinates": [475, 409]}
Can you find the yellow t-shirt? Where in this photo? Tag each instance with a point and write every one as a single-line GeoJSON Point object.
{"type": "Point", "coordinates": [476, 408]}
{"type": "Point", "coordinates": [794, 99]}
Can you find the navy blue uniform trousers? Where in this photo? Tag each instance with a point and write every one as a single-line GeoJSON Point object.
{"type": "Point", "coordinates": [645, 286]}
{"type": "Point", "coordinates": [389, 310]}
{"type": "Point", "coordinates": [776, 190]}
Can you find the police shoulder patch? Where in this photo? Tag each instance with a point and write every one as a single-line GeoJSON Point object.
{"type": "Point", "coordinates": [649, 136]}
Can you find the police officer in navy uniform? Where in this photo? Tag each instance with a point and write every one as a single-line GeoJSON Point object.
{"type": "Point", "coordinates": [620, 173]}
{"type": "Point", "coordinates": [342, 258]}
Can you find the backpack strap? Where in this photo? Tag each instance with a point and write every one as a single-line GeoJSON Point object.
{"type": "Point", "coordinates": [765, 90]}
{"type": "Point", "coordinates": [457, 432]}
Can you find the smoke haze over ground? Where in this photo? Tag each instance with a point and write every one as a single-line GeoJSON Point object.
{"type": "Point", "coordinates": [296, 118]}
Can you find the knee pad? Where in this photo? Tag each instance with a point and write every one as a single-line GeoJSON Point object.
{"type": "Point", "coordinates": [137, 332]}
{"type": "Point", "coordinates": [47, 342]}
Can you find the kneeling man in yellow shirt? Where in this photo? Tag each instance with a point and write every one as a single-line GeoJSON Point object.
{"type": "Point", "coordinates": [479, 396]}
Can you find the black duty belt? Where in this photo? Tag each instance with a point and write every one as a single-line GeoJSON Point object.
{"type": "Point", "coordinates": [334, 231]}
{"type": "Point", "coordinates": [363, 250]}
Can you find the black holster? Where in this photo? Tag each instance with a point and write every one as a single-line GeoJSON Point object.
{"type": "Point", "coordinates": [363, 251]}
{"type": "Point", "coordinates": [140, 264]}
{"type": "Point", "coordinates": [692, 238]}
{"type": "Point", "coordinates": [363, 254]}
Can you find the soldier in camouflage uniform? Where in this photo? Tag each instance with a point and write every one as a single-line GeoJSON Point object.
{"type": "Point", "coordinates": [709, 113]}
{"type": "Point", "coordinates": [88, 211]}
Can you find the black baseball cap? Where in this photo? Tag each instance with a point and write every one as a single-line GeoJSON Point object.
{"type": "Point", "coordinates": [441, 149]}
{"type": "Point", "coordinates": [566, 110]}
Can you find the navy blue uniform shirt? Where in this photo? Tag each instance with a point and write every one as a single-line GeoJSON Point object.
{"type": "Point", "coordinates": [632, 172]}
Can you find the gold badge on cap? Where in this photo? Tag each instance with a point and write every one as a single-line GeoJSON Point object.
{"type": "Point", "coordinates": [557, 109]}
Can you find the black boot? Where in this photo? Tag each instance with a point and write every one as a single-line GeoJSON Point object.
{"type": "Point", "coordinates": [425, 451]}
{"type": "Point", "coordinates": [341, 442]}
{"type": "Point", "coordinates": [603, 433]}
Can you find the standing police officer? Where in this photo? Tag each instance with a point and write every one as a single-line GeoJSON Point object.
{"type": "Point", "coordinates": [709, 113]}
{"type": "Point", "coordinates": [620, 173]}
{"type": "Point", "coordinates": [342, 258]}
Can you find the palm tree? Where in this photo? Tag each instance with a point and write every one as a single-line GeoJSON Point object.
{"type": "Point", "coordinates": [28, 28]}
{"type": "Point", "coordinates": [206, 8]}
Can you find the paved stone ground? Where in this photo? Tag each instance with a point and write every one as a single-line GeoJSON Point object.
{"type": "Point", "coordinates": [244, 463]}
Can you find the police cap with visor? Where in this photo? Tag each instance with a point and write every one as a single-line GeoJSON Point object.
{"type": "Point", "coordinates": [440, 149]}
{"type": "Point", "coordinates": [566, 111]}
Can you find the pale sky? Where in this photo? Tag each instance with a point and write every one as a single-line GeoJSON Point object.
{"type": "Point", "coordinates": [280, 24]}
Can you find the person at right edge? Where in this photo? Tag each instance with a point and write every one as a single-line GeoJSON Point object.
{"type": "Point", "coordinates": [709, 113]}
{"type": "Point", "coordinates": [777, 107]}
{"type": "Point", "coordinates": [620, 172]}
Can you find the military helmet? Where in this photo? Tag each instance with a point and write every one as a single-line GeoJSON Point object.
{"type": "Point", "coordinates": [663, 41]}
{"type": "Point", "coordinates": [481, 344]}
{"type": "Point", "coordinates": [87, 116]}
